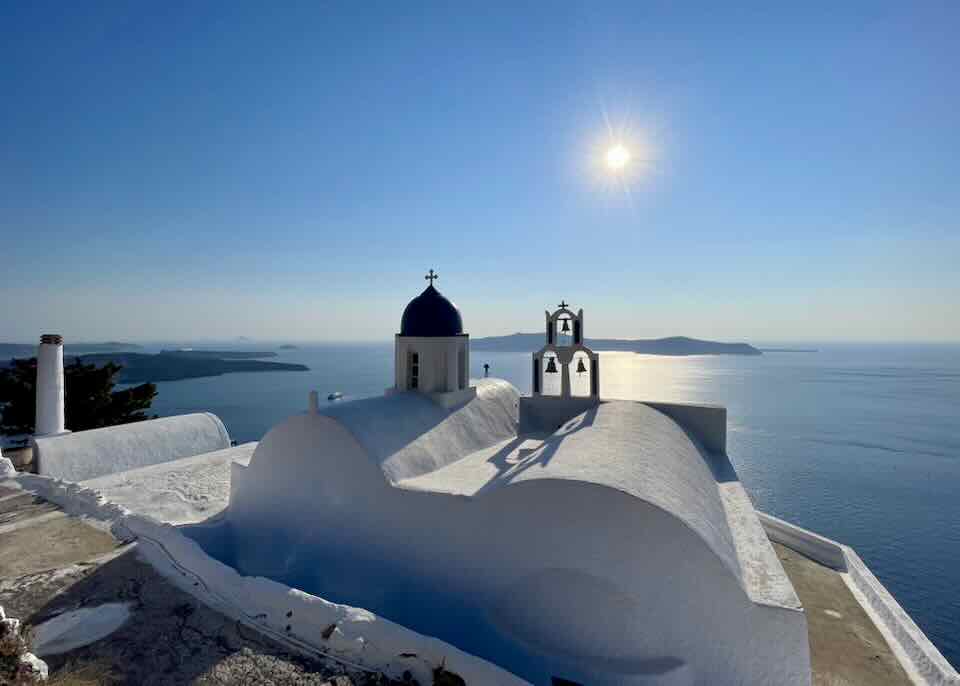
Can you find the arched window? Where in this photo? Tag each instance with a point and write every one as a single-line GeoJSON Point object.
{"type": "Point", "coordinates": [413, 365]}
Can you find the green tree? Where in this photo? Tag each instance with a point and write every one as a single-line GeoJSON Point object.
{"type": "Point", "coordinates": [90, 402]}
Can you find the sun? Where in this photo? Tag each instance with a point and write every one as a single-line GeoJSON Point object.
{"type": "Point", "coordinates": [617, 157]}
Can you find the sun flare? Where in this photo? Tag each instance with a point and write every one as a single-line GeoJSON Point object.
{"type": "Point", "coordinates": [617, 157]}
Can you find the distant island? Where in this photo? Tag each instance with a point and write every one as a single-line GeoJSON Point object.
{"type": "Point", "coordinates": [287, 347]}
{"type": "Point", "coordinates": [167, 365]}
{"type": "Point", "coordinates": [9, 350]}
{"type": "Point", "coordinates": [674, 345]}
{"type": "Point", "coordinates": [219, 354]}
{"type": "Point", "coordinates": [177, 365]}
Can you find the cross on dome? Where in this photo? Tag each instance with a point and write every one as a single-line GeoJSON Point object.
{"type": "Point", "coordinates": [430, 314]}
{"type": "Point", "coordinates": [563, 305]}
{"type": "Point", "coordinates": [432, 351]}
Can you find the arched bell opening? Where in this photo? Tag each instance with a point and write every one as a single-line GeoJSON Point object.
{"type": "Point", "coordinates": [580, 368]}
{"type": "Point", "coordinates": [552, 368]}
{"type": "Point", "coordinates": [563, 329]}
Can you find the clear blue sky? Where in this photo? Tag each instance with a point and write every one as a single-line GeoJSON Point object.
{"type": "Point", "coordinates": [188, 170]}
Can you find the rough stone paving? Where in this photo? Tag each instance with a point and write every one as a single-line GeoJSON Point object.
{"type": "Point", "coordinates": [51, 563]}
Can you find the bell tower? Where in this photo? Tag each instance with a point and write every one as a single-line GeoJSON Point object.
{"type": "Point", "coordinates": [432, 352]}
{"type": "Point", "coordinates": [564, 345]}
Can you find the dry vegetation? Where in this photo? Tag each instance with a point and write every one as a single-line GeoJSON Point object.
{"type": "Point", "coordinates": [90, 674]}
{"type": "Point", "coordinates": [15, 666]}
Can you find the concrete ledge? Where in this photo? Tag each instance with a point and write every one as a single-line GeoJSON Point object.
{"type": "Point", "coordinates": [917, 655]}
{"type": "Point", "coordinates": [706, 423]}
{"type": "Point", "coordinates": [545, 413]}
{"type": "Point", "coordinates": [926, 660]}
{"type": "Point", "coordinates": [807, 543]}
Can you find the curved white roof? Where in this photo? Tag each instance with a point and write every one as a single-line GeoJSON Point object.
{"type": "Point", "coordinates": [88, 454]}
{"type": "Point", "coordinates": [474, 451]}
{"type": "Point", "coordinates": [637, 450]}
{"type": "Point", "coordinates": [407, 434]}
{"type": "Point", "coordinates": [626, 446]}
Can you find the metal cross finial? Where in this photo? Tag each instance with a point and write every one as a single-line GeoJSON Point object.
{"type": "Point", "coordinates": [431, 276]}
{"type": "Point", "coordinates": [563, 305]}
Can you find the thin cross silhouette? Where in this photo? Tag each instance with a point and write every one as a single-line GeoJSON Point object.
{"type": "Point", "coordinates": [431, 276]}
{"type": "Point", "coordinates": [563, 304]}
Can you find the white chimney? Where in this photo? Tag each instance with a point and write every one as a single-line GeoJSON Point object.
{"type": "Point", "coordinates": [50, 391]}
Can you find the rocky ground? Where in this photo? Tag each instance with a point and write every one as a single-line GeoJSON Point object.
{"type": "Point", "coordinates": [51, 564]}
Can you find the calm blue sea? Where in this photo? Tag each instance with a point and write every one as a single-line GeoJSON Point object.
{"type": "Point", "coordinates": [858, 443]}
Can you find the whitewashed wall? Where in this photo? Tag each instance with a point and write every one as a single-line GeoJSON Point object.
{"type": "Point", "coordinates": [440, 362]}
{"type": "Point", "coordinates": [546, 577]}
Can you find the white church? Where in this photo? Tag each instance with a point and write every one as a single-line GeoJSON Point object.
{"type": "Point", "coordinates": [567, 539]}
{"type": "Point", "coordinates": [555, 539]}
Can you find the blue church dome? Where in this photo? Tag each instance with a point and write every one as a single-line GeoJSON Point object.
{"type": "Point", "coordinates": [431, 315]}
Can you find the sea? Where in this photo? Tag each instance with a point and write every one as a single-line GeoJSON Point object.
{"type": "Point", "coordinates": [860, 443]}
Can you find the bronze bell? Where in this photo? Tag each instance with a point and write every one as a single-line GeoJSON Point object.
{"type": "Point", "coordinates": [566, 326]}
{"type": "Point", "coordinates": [551, 366]}
{"type": "Point", "coordinates": [580, 368]}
